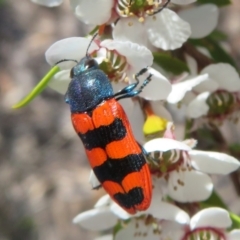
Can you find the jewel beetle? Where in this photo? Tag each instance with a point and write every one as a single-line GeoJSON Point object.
{"type": "Point", "coordinates": [116, 158]}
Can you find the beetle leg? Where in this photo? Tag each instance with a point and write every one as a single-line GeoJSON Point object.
{"type": "Point", "coordinates": [127, 89]}
{"type": "Point", "coordinates": [136, 92]}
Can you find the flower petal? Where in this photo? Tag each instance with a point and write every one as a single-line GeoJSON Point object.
{"type": "Point", "coordinates": [69, 48]}
{"type": "Point", "coordinates": [195, 186]}
{"type": "Point", "coordinates": [48, 3]}
{"type": "Point", "coordinates": [60, 81]}
{"type": "Point", "coordinates": [180, 89]}
{"type": "Point", "coordinates": [119, 212]}
{"type": "Point", "coordinates": [234, 235]}
{"type": "Point", "coordinates": [103, 201]}
{"type": "Point", "coordinates": [94, 12]}
{"type": "Point", "coordinates": [158, 88]}
{"type": "Point", "coordinates": [213, 162]}
{"type": "Point", "coordinates": [138, 230]}
{"type": "Point", "coordinates": [183, 2]}
{"type": "Point", "coordinates": [96, 219]}
{"type": "Point", "coordinates": [167, 211]}
{"type": "Point", "coordinates": [160, 110]}
{"type": "Point", "coordinates": [165, 144]}
{"type": "Point", "coordinates": [105, 237]}
{"type": "Point", "coordinates": [203, 19]}
{"type": "Point", "coordinates": [137, 56]}
{"type": "Point", "coordinates": [198, 107]}
{"type": "Point", "coordinates": [220, 72]}
{"type": "Point", "coordinates": [130, 29]}
{"type": "Point", "coordinates": [172, 230]}
{"type": "Point", "coordinates": [167, 30]}
{"type": "Point", "coordinates": [93, 180]}
{"type": "Point", "coordinates": [211, 217]}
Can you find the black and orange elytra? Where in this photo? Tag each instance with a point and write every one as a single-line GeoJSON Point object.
{"type": "Point", "coordinates": [100, 121]}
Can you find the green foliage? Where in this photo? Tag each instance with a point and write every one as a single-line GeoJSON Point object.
{"type": "Point", "coordinates": [235, 221]}
{"type": "Point", "coordinates": [216, 201]}
{"type": "Point", "coordinates": [235, 149]}
{"type": "Point", "coordinates": [169, 63]}
{"type": "Point", "coordinates": [216, 51]}
{"type": "Point", "coordinates": [38, 89]}
{"type": "Point", "coordinates": [219, 3]}
{"type": "Point", "coordinates": [218, 36]}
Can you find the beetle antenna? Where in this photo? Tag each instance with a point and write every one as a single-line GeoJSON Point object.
{"type": "Point", "coordinates": [94, 36]}
{"type": "Point", "coordinates": [66, 60]}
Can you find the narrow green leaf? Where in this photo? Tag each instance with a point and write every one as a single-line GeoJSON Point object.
{"type": "Point", "coordinates": [219, 3]}
{"type": "Point", "coordinates": [215, 50]}
{"type": "Point", "coordinates": [218, 35]}
{"type": "Point", "coordinates": [38, 89]}
{"type": "Point", "coordinates": [170, 64]}
{"type": "Point", "coordinates": [235, 221]}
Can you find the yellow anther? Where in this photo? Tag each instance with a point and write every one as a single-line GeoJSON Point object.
{"type": "Point", "coordinates": [141, 19]}
{"type": "Point", "coordinates": [154, 124]}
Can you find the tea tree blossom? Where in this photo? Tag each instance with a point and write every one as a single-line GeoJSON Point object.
{"type": "Point", "coordinates": [220, 100]}
{"type": "Point", "coordinates": [119, 60]}
{"type": "Point", "coordinates": [185, 169]}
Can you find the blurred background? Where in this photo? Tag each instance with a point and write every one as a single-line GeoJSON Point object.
{"type": "Point", "coordinates": [43, 169]}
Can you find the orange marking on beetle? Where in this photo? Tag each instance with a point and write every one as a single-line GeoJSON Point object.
{"type": "Point", "coordinates": [102, 115]}
{"type": "Point", "coordinates": [122, 148]}
{"type": "Point", "coordinates": [96, 156]}
{"type": "Point", "coordinates": [139, 179]}
{"type": "Point", "coordinates": [82, 123]}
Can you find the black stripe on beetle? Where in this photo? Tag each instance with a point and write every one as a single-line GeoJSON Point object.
{"type": "Point", "coordinates": [128, 200]}
{"type": "Point", "coordinates": [117, 169]}
{"type": "Point", "coordinates": [103, 135]}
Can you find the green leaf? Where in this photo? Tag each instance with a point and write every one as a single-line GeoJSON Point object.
{"type": "Point", "coordinates": [170, 64]}
{"type": "Point", "coordinates": [235, 221]}
{"type": "Point", "coordinates": [218, 35]}
{"type": "Point", "coordinates": [234, 148]}
{"type": "Point", "coordinates": [214, 201]}
{"type": "Point", "coordinates": [38, 89]}
{"type": "Point", "coordinates": [215, 50]}
{"type": "Point", "coordinates": [219, 3]}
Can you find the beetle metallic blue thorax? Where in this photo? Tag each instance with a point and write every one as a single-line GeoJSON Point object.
{"type": "Point", "coordinates": [89, 86]}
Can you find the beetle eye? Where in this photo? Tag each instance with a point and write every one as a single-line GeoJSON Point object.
{"type": "Point", "coordinates": [91, 63]}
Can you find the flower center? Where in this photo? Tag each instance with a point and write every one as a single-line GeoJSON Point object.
{"type": "Point", "coordinates": [161, 163]}
{"type": "Point", "coordinates": [222, 104]}
{"type": "Point", "coordinates": [114, 65]}
{"type": "Point", "coordinates": [207, 233]}
{"type": "Point", "coordinates": [139, 8]}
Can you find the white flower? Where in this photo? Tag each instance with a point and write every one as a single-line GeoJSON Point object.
{"type": "Point", "coordinates": [106, 214]}
{"type": "Point", "coordinates": [211, 222]}
{"type": "Point", "coordinates": [94, 12]}
{"type": "Point", "coordinates": [119, 60]}
{"type": "Point", "coordinates": [164, 30]}
{"type": "Point", "coordinates": [208, 223]}
{"type": "Point", "coordinates": [138, 22]}
{"type": "Point", "coordinates": [219, 98]}
{"type": "Point", "coordinates": [98, 218]}
{"type": "Point", "coordinates": [203, 19]}
{"type": "Point", "coordinates": [185, 169]}
{"type": "Point", "coordinates": [158, 209]}
{"type": "Point", "coordinates": [48, 3]}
